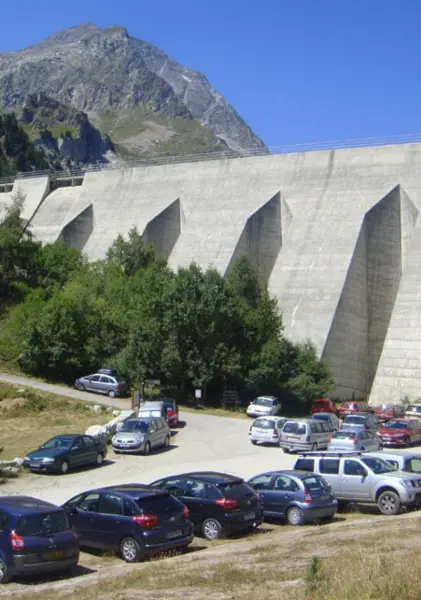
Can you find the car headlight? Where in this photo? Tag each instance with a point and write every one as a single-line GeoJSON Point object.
{"type": "Point", "coordinates": [48, 460]}
{"type": "Point", "coordinates": [141, 438]}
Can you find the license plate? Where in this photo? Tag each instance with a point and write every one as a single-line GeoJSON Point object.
{"type": "Point", "coordinates": [33, 465]}
{"type": "Point", "coordinates": [174, 534]}
{"type": "Point", "coordinates": [249, 516]}
{"type": "Point", "coordinates": [293, 437]}
{"type": "Point", "coordinates": [53, 555]}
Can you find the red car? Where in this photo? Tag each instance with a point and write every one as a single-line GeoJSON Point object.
{"type": "Point", "coordinates": [400, 432]}
{"type": "Point", "coordinates": [350, 408]}
{"type": "Point", "coordinates": [323, 405]}
{"type": "Point", "coordinates": [172, 410]}
{"type": "Point", "coordinates": [389, 411]}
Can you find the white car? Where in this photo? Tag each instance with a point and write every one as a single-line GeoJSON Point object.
{"type": "Point", "coordinates": [266, 430]}
{"type": "Point", "coordinates": [413, 410]}
{"type": "Point", "coordinates": [263, 406]}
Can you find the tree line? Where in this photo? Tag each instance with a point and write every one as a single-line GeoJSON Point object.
{"type": "Point", "coordinates": [64, 316]}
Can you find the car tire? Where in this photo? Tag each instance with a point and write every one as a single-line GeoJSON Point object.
{"type": "Point", "coordinates": [80, 387]}
{"type": "Point", "coordinates": [211, 529]}
{"type": "Point", "coordinates": [99, 459]}
{"type": "Point", "coordinates": [4, 573]}
{"type": "Point", "coordinates": [167, 442]}
{"type": "Point", "coordinates": [64, 467]}
{"type": "Point", "coordinates": [254, 442]}
{"type": "Point", "coordinates": [147, 449]}
{"type": "Point", "coordinates": [111, 394]}
{"type": "Point", "coordinates": [286, 450]}
{"type": "Point", "coordinates": [389, 503]}
{"type": "Point", "coordinates": [295, 516]}
{"type": "Point", "coordinates": [130, 550]}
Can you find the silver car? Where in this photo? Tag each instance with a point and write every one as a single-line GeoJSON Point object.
{"type": "Point", "coordinates": [263, 406]}
{"type": "Point", "coordinates": [360, 421]}
{"type": "Point", "coordinates": [142, 435]}
{"type": "Point", "coordinates": [329, 418]}
{"type": "Point", "coordinates": [266, 430]}
{"type": "Point", "coordinates": [304, 434]}
{"type": "Point", "coordinates": [106, 381]}
{"type": "Point", "coordinates": [354, 440]}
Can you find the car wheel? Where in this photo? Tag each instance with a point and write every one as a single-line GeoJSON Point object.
{"type": "Point", "coordinates": [167, 442]}
{"type": "Point", "coordinates": [64, 467]}
{"type": "Point", "coordinates": [389, 503]}
{"type": "Point", "coordinates": [147, 449]}
{"type": "Point", "coordinates": [211, 529]}
{"type": "Point", "coordinates": [99, 459]}
{"type": "Point", "coordinates": [286, 450]}
{"type": "Point", "coordinates": [130, 550]}
{"type": "Point", "coordinates": [254, 442]}
{"type": "Point", "coordinates": [4, 575]}
{"type": "Point", "coordinates": [111, 394]}
{"type": "Point", "coordinates": [295, 516]}
{"type": "Point", "coordinates": [80, 387]}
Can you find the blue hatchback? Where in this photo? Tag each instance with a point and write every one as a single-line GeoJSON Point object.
{"type": "Point", "coordinates": [35, 537]}
{"type": "Point", "coordinates": [132, 519]}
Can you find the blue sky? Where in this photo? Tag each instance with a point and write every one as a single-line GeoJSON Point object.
{"type": "Point", "coordinates": [298, 71]}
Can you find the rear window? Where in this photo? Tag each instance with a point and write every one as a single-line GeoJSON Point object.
{"type": "Point", "coordinates": [355, 420]}
{"type": "Point", "coordinates": [343, 435]}
{"type": "Point", "coordinates": [321, 417]}
{"type": "Point", "coordinates": [315, 484]}
{"type": "Point", "coordinates": [413, 465]}
{"type": "Point", "coordinates": [235, 490]}
{"type": "Point", "coordinates": [304, 464]}
{"type": "Point", "coordinates": [158, 505]}
{"type": "Point", "coordinates": [294, 427]}
{"type": "Point", "coordinates": [264, 424]}
{"type": "Point", "coordinates": [42, 524]}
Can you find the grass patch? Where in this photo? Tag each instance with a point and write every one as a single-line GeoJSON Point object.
{"type": "Point", "coordinates": [29, 417]}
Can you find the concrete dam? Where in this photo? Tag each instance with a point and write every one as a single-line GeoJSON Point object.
{"type": "Point", "coordinates": [335, 233]}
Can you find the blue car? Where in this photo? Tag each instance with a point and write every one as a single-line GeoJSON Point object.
{"type": "Point", "coordinates": [132, 519]}
{"type": "Point", "coordinates": [297, 496]}
{"type": "Point", "coordinates": [35, 537]}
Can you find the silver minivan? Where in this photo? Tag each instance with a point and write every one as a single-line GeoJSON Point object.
{"type": "Point", "coordinates": [304, 434]}
{"type": "Point", "coordinates": [141, 435]}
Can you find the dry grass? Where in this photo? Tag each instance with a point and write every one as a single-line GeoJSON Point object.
{"type": "Point", "coordinates": [29, 418]}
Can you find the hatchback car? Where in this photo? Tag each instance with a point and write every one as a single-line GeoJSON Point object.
{"type": "Point", "coordinates": [304, 434]}
{"type": "Point", "coordinates": [384, 412]}
{"type": "Point", "coordinates": [106, 381]}
{"type": "Point", "coordinates": [266, 430]}
{"type": "Point", "coordinates": [219, 504]}
{"type": "Point", "coordinates": [360, 421]}
{"type": "Point", "coordinates": [350, 408]}
{"type": "Point", "coordinates": [263, 406]}
{"type": "Point", "coordinates": [298, 497]}
{"type": "Point", "coordinates": [329, 418]}
{"type": "Point", "coordinates": [354, 440]}
{"type": "Point", "coordinates": [323, 405]}
{"type": "Point", "coordinates": [67, 451]}
{"type": "Point", "coordinates": [141, 435]}
{"type": "Point", "coordinates": [132, 519]}
{"type": "Point", "coordinates": [400, 432]}
{"type": "Point", "coordinates": [35, 537]}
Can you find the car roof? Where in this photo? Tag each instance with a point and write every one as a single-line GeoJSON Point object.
{"type": "Point", "coordinates": [67, 435]}
{"type": "Point", "coordinates": [20, 505]}
{"type": "Point", "coordinates": [273, 417]}
{"type": "Point", "coordinates": [266, 397]}
{"type": "Point", "coordinates": [209, 477]}
{"type": "Point", "coordinates": [149, 404]}
{"type": "Point", "coordinates": [403, 453]}
{"type": "Point", "coordinates": [132, 490]}
{"type": "Point", "coordinates": [289, 472]}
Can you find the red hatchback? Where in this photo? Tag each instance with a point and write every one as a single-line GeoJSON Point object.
{"type": "Point", "coordinates": [400, 432]}
{"type": "Point", "coordinates": [323, 405]}
{"type": "Point", "coordinates": [350, 408]}
{"type": "Point", "coordinates": [385, 412]}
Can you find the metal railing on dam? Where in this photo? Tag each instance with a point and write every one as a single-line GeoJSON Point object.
{"type": "Point", "coordinates": [225, 154]}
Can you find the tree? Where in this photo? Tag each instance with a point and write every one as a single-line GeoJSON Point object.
{"type": "Point", "coordinates": [311, 377]}
{"type": "Point", "coordinates": [131, 254]}
{"type": "Point", "coordinates": [55, 265]}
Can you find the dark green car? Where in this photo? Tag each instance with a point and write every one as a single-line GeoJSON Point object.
{"type": "Point", "coordinates": [67, 451]}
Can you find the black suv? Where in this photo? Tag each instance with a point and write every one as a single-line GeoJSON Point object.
{"type": "Point", "coordinates": [133, 519]}
{"type": "Point", "coordinates": [218, 503]}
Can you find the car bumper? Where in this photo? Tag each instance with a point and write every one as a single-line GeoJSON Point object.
{"type": "Point", "coordinates": [319, 512]}
{"type": "Point", "coordinates": [296, 446]}
{"type": "Point", "coordinates": [392, 443]}
{"type": "Point", "coordinates": [129, 449]}
{"type": "Point", "coordinates": [267, 440]}
{"type": "Point", "coordinates": [22, 567]}
{"type": "Point", "coordinates": [42, 468]}
{"type": "Point", "coordinates": [169, 544]}
{"type": "Point", "coordinates": [236, 523]}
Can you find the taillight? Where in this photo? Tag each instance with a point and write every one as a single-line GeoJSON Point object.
{"type": "Point", "coordinates": [307, 497]}
{"type": "Point", "coordinates": [275, 432]}
{"type": "Point", "coordinates": [308, 438]}
{"type": "Point", "coordinates": [16, 541]}
{"type": "Point", "coordinates": [186, 512]}
{"type": "Point", "coordinates": [227, 503]}
{"type": "Point", "coordinates": [330, 439]}
{"type": "Point", "coordinates": [355, 439]}
{"type": "Point", "coordinates": [146, 521]}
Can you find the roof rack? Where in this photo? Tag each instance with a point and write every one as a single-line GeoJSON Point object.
{"type": "Point", "coordinates": [327, 453]}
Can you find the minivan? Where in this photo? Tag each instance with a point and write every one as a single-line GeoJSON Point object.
{"type": "Point", "coordinates": [304, 434]}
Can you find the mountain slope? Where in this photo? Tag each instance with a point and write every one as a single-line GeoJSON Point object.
{"type": "Point", "coordinates": [129, 89]}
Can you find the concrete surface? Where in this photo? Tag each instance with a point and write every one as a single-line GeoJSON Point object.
{"type": "Point", "coordinates": [334, 233]}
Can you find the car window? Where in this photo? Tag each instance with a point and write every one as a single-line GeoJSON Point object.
{"type": "Point", "coordinates": [315, 484]}
{"type": "Point", "coordinates": [263, 402]}
{"type": "Point", "coordinates": [413, 465]}
{"type": "Point", "coordinates": [159, 424]}
{"type": "Point", "coordinates": [194, 489]}
{"type": "Point", "coordinates": [77, 443]}
{"type": "Point", "coordinates": [96, 378]}
{"type": "Point", "coordinates": [3, 521]}
{"type": "Point", "coordinates": [343, 435]}
{"type": "Point", "coordinates": [355, 420]}
{"type": "Point", "coordinates": [235, 489]}
{"type": "Point", "coordinates": [90, 502]}
{"type": "Point", "coordinates": [58, 442]}
{"type": "Point", "coordinates": [39, 524]}
{"type": "Point", "coordinates": [377, 465]}
{"type": "Point", "coordinates": [353, 467]}
{"type": "Point", "coordinates": [262, 482]}
{"type": "Point", "coordinates": [329, 466]}
{"type": "Point", "coordinates": [315, 427]}
{"type": "Point", "coordinates": [89, 442]}
{"type": "Point", "coordinates": [392, 463]}
{"type": "Point", "coordinates": [174, 486]}
{"type": "Point", "coordinates": [111, 504]}
{"type": "Point", "coordinates": [129, 508]}
{"type": "Point", "coordinates": [295, 427]}
{"type": "Point", "coordinates": [212, 492]}
{"type": "Point", "coordinates": [304, 464]}
{"type": "Point", "coordinates": [285, 484]}
{"type": "Point", "coordinates": [105, 379]}
{"type": "Point", "coordinates": [264, 423]}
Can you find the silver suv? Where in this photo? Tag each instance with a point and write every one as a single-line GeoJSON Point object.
{"type": "Point", "coordinates": [356, 477]}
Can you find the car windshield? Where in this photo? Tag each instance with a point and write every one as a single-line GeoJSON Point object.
{"type": "Point", "coordinates": [264, 424]}
{"type": "Point", "coordinates": [322, 417]}
{"type": "Point", "coordinates": [263, 402]}
{"type": "Point", "coordinates": [354, 420]}
{"type": "Point", "coordinates": [294, 427]}
{"type": "Point", "coordinates": [134, 426]}
{"type": "Point", "coordinates": [396, 425]}
{"type": "Point", "coordinates": [58, 442]}
{"type": "Point", "coordinates": [377, 465]}
{"type": "Point", "coordinates": [42, 524]}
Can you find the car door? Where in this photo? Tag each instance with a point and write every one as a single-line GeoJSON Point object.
{"type": "Point", "coordinates": [370, 441]}
{"type": "Point", "coordinates": [263, 484]}
{"type": "Point", "coordinates": [83, 511]}
{"type": "Point", "coordinates": [94, 383]}
{"type": "Point", "coordinates": [354, 483]}
{"type": "Point", "coordinates": [329, 469]}
{"type": "Point", "coordinates": [91, 450]}
{"type": "Point", "coordinates": [78, 454]}
{"type": "Point", "coordinates": [110, 520]}
{"type": "Point", "coordinates": [279, 497]}
{"type": "Point", "coordinates": [154, 433]}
